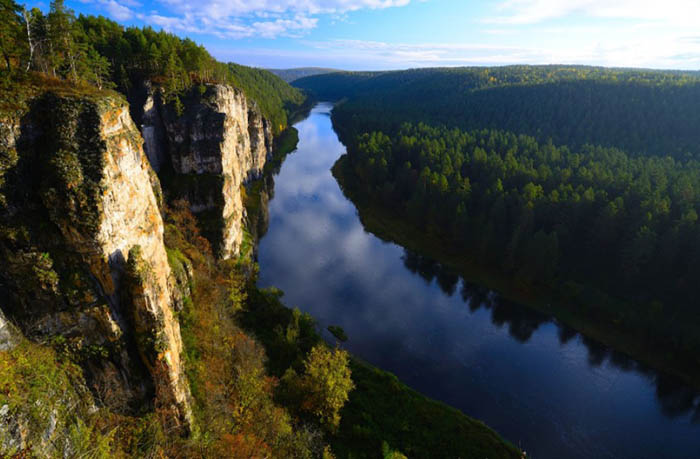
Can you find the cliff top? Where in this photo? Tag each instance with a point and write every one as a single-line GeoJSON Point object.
{"type": "Point", "coordinates": [18, 90]}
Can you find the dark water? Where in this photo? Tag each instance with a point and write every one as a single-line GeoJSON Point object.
{"type": "Point", "coordinates": [541, 385]}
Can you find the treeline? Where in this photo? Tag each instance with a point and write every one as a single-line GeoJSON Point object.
{"type": "Point", "coordinates": [610, 231]}
{"type": "Point", "coordinates": [643, 112]}
{"type": "Point", "coordinates": [290, 75]}
{"type": "Point", "coordinates": [103, 53]}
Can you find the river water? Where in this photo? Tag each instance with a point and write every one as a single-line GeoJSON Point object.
{"type": "Point", "coordinates": [542, 386]}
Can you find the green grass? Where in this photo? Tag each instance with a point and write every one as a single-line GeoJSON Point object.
{"type": "Point", "coordinates": [383, 409]}
{"type": "Point", "coordinates": [18, 89]}
{"type": "Point", "coordinates": [46, 395]}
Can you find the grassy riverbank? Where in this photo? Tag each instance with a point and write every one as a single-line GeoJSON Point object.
{"type": "Point", "coordinates": [594, 323]}
{"type": "Point", "coordinates": [382, 412]}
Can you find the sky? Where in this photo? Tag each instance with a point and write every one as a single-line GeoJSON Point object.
{"type": "Point", "coordinates": [396, 34]}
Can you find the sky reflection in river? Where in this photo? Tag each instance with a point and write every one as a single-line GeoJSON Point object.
{"type": "Point", "coordinates": [542, 386]}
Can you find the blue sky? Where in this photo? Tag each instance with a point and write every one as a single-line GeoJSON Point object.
{"type": "Point", "coordinates": [393, 34]}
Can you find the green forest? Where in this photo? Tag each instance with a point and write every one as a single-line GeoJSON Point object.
{"type": "Point", "coordinates": [583, 180]}
{"type": "Point", "coordinates": [641, 112]}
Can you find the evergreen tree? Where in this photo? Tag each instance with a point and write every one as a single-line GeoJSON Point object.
{"type": "Point", "coordinates": [11, 37]}
{"type": "Point", "coordinates": [62, 48]}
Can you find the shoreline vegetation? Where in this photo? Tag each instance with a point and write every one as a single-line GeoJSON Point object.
{"type": "Point", "coordinates": [391, 226]}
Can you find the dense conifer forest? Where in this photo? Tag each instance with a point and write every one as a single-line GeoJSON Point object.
{"type": "Point", "coordinates": [641, 112]}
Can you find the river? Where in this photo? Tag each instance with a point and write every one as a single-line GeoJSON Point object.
{"type": "Point", "coordinates": [542, 386]}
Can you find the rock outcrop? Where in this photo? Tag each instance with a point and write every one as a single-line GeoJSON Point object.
{"type": "Point", "coordinates": [8, 335]}
{"type": "Point", "coordinates": [82, 239]}
{"type": "Point", "coordinates": [215, 142]}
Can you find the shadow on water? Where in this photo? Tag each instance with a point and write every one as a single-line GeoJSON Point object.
{"type": "Point", "coordinates": [676, 399]}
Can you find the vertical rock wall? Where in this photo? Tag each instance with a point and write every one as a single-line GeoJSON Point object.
{"type": "Point", "coordinates": [217, 143]}
{"type": "Point", "coordinates": [131, 223]}
{"type": "Point", "coordinates": [153, 134]}
{"type": "Point", "coordinates": [81, 198]}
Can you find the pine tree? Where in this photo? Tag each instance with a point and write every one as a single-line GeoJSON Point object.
{"type": "Point", "coordinates": [95, 69]}
{"type": "Point", "coordinates": [62, 50]}
{"type": "Point", "coordinates": [11, 40]}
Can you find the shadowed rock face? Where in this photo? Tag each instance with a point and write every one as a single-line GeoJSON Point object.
{"type": "Point", "coordinates": [81, 200]}
{"type": "Point", "coordinates": [214, 145]}
{"type": "Point", "coordinates": [8, 335]}
{"type": "Point", "coordinates": [153, 133]}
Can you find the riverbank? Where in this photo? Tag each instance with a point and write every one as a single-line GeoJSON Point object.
{"type": "Point", "coordinates": [389, 225]}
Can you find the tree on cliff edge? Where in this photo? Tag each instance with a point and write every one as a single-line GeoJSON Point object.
{"type": "Point", "coordinates": [10, 31]}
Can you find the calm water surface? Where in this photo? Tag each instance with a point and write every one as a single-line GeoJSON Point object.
{"type": "Point", "coordinates": [542, 386]}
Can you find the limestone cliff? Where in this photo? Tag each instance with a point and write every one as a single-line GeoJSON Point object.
{"type": "Point", "coordinates": [79, 210]}
{"type": "Point", "coordinates": [212, 145]}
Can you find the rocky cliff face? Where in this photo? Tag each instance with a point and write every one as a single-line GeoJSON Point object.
{"type": "Point", "coordinates": [153, 133]}
{"type": "Point", "coordinates": [217, 142]}
{"type": "Point", "coordinates": [82, 239]}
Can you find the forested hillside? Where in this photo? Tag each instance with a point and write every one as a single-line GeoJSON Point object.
{"type": "Point", "coordinates": [588, 221]}
{"type": "Point", "coordinates": [290, 75]}
{"type": "Point", "coordinates": [639, 111]}
{"type": "Point", "coordinates": [583, 180]}
{"type": "Point", "coordinates": [279, 101]}
{"type": "Point", "coordinates": [102, 53]}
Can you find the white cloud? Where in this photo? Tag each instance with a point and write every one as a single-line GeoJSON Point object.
{"type": "Point", "coordinates": [670, 12]}
{"type": "Point", "coordinates": [295, 26]}
{"type": "Point", "coordinates": [653, 52]}
{"type": "Point", "coordinates": [230, 8]}
{"type": "Point", "coordinates": [119, 10]}
{"type": "Point", "coordinates": [183, 24]}
{"type": "Point", "coordinates": [250, 18]}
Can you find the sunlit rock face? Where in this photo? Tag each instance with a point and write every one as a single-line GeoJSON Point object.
{"type": "Point", "coordinates": [132, 223]}
{"type": "Point", "coordinates": [215, 142]}
{"type": "Point", "coordinates": [81, 199]}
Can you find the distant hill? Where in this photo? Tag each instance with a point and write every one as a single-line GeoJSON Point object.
{"type": "Point", "coordinates": [640, 111]}
{"type": "Point", "coordinates": [290, 75]}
